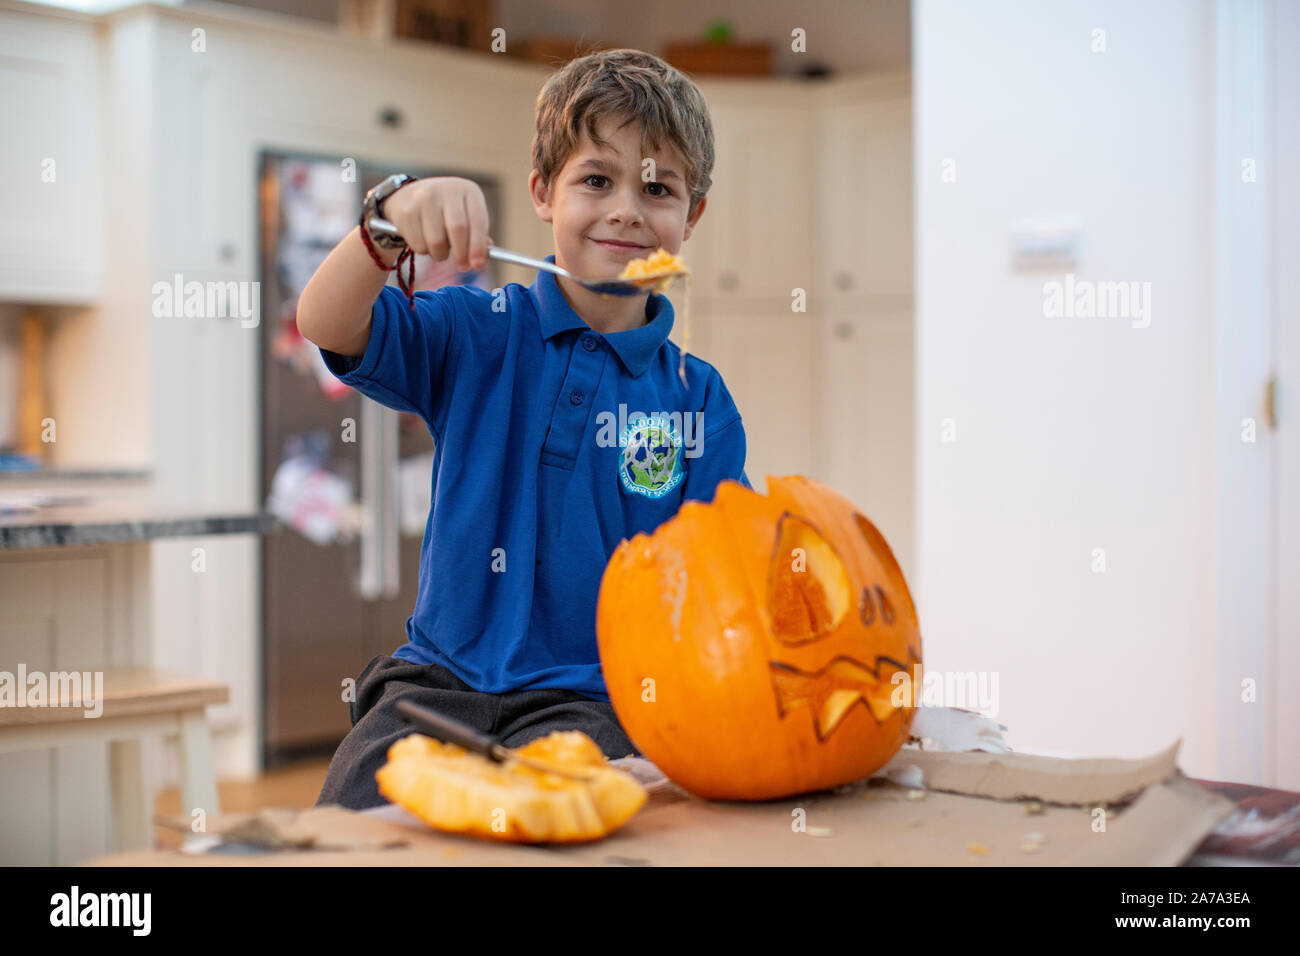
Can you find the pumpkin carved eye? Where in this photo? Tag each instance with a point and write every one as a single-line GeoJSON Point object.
{"type": "Point", "coordinates": [808, 588]}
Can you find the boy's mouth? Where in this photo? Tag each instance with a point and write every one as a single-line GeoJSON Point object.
{"type": "Point", "coordinates": [620, 247]}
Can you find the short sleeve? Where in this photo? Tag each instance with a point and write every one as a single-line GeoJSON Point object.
{"type": "Point", "coordinates": [722, 455]}
{"type": "Point", "coordinates": [408, 357]}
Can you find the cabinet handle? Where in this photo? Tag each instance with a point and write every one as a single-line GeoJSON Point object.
{"type": "Point", "coordinates": [727, 281]}
{"type": "Point", "coordinates": [844, 330]}
{"type": "Point", "coordinates": [843, 281]}
{"type": "Point", "coordinates": [379, 531]}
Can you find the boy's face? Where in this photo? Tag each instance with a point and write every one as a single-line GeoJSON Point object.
{"type": "Point", "coordinates": [604, 214]}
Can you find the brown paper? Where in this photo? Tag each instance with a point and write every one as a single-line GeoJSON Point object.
{"type": "Point", "coordinates": [1013, 776]}
{"type": "Point", "coordinates": [1080, 818]}
{"type": "Point", "coordinates": [320, 828]}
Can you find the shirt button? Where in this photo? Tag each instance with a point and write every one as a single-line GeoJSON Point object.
{"type": "Point", "coordinates": [589, 343]}
{"type": "Point", "coordinates": [575, 397]}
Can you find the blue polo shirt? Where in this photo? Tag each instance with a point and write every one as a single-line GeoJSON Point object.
{"type": "Point", "coordinates": [553, 443]}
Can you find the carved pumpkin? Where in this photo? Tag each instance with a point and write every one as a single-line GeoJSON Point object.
{"type": "Point", "coordinates": [749, 644]}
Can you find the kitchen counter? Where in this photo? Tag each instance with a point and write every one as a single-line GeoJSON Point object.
{"type": "Point", "coordinates": [17, 475]}
{"type": "Point", "coordinates": [113, 521]}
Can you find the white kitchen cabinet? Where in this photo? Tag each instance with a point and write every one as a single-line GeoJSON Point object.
{"type": "Point", "coordinates": [757, 235]}
{"type": "Point", "coordinates": [768, 360]}
{"type": "Point", "coordinates": [868, 414]}
{"type": "Point", "coordinates": [813, 189]}
{"type": "Point", "coordinates": [864, 159]}
{"type": "Point", "coordinates": [51, 176]}
{"type": "Point", "coordinates": [58, 616]}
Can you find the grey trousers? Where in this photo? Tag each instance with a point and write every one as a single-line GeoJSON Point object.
{"type": "Point", "coordinates": [516, 717]}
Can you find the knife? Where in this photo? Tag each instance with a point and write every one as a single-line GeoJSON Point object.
{"type": "Point", "coordinates": [454, 732]}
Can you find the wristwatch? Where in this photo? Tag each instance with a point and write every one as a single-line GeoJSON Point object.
{"type": "Point", "coordinates": [371, 209]}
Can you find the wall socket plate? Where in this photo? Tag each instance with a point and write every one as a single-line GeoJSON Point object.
{"type": "Point", "coordinates": [1046, 244]}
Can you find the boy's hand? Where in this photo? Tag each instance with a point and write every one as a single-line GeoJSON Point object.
{"type": "Point", "coordinates": [443, 216]}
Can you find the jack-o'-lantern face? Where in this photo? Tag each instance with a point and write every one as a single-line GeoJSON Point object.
{"type": "Point", "coordinates": [750, 645]}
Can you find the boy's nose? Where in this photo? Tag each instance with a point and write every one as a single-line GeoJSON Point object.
{"type": "Point", "coordinates": [625, 210]}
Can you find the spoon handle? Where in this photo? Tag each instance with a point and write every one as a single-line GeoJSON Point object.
{"type": "Point", "coordinates": [505, 255]}
{"type": "Point", "coordinates": [384, 227]}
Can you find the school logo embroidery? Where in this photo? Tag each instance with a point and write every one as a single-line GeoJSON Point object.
{"type": "Point", "coordinates": [651, 462]}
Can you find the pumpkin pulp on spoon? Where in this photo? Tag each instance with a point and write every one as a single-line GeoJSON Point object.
{"type": "Point", "coordinates": [657, 272]}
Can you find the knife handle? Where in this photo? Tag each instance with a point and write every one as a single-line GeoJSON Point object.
{"type": "Point", "coordinates": [450, 731]}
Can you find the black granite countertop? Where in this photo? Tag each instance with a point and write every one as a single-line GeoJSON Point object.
{"type": "Point", "coordinates": [16, 475]}
{"type": "Point", "coordinates": [114, 521]}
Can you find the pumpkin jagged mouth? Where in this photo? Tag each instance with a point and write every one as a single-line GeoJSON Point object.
{"type": "Point", "coordinates": [832, 689]}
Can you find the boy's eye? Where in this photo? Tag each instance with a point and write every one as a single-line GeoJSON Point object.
{"type": "Point", "coordinates": [657, 189]}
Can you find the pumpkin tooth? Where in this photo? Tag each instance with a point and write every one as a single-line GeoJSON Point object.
{"type": "Point", "coordinates": [837, 704]}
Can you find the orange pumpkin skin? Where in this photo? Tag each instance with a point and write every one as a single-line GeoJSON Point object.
{"type": "Point", "coordinates": [743, 676]}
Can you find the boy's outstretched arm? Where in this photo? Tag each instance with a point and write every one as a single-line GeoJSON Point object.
{"type": "Point", "coordinates": [334, 307]}
{"type": "Point", "coordinates": [443, 216]}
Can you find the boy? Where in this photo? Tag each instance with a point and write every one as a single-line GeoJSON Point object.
{"type": "Point", "coordinates": [537, 398]}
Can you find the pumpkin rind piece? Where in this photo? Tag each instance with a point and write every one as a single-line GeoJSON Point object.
{"type": "Point", "coordinates": [453, 790]}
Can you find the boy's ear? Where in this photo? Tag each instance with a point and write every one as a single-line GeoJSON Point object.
{"type": "Point", "coordinates": [693, 218]}
{"type": "Point", "coordinates": [541, 196]}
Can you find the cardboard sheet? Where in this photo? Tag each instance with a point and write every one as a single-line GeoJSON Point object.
{"type": "Point", "coordinates": [1012, 776]}
{"type": "Point", "coordinates": [970, 812]}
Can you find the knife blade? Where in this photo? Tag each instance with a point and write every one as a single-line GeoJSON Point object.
{"type": "Point", "coordinates": [452, 731]}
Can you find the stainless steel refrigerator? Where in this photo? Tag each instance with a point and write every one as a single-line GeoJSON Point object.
{"type": "Point", "coordinates": [338, 579]}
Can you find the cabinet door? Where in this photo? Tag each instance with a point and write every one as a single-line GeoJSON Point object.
{"type": "Point", "coordinates": [865, 162]}
{"type": "Point", "coordinates": [55, 619]}
{"type": "Point", "coordinates": [758, 224]}
{"type": "Point", "coordinates": [51, 237]}
{"type": "Point", "coordinates": [200, 113]}
{"type": "Point", "coordinates": [768, 361]}
{"type": "Point", "coordinates": [868, 414]}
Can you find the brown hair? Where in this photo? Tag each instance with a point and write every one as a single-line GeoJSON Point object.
{"type": "Point", "coordinates": [630, 85]}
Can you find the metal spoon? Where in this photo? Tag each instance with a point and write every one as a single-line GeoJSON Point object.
{"type": "Point", "coordinates": [603, 286]}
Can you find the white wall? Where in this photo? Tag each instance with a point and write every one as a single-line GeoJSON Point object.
{"type": "Point", "coordinates": [1071, 434]}
{"type": "Point", "coordinates": [1286, 252]}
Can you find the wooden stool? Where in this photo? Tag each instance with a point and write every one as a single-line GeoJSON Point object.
{"type": "Point", "coordinates": [136, 702]}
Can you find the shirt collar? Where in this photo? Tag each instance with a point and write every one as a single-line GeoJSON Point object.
{"type": "Point", "coordinates": [635, 348]}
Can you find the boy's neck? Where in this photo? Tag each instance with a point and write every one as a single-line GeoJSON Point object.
{"type": "Point", "coordinates": [604, 314]}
